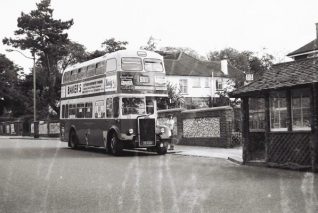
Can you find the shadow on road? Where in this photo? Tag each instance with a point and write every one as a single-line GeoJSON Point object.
{"type": "Point", "coordinates": [63, 152]}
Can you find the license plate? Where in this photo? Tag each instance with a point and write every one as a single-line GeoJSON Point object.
{"type": "Point", "coordinates": [147, 143]}
{"type": "Point", "coordinates": [143, 79]}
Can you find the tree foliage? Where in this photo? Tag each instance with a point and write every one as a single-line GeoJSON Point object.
{"type": "Point", "coordinates": [47, 40]}
{"type": "Point", "coordinates": [186, 50]}
{"type": "Point", "coordinates": [111, 45]}
{"type": "Point", "coordinates": [10, 90]}
{"type": "Point", "coordinates": [246, 61]}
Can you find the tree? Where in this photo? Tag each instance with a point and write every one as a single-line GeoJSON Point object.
{"type": "Point", "coordinates": [46, 39]}
{"type": "Point", "coordinates": [111, 45]}
{"type": "Point", "coordinates": [246, 61]}
{"type": "Point", "coordinates": [186, 50]}
{"type": "Point", "coordinates": [10, 93]}
{"type": "Point", "coordinates": [151, 44]}
{"type": "Point", "coordinates": [76, 53]}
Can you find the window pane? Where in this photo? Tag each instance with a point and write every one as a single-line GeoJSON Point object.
{"type": "Point", "coordinates": [133, 106]}
{"type": "Point", "coordinates": [72, 111]}
{"type": "Point", "coordinates": [99, 109]}
{"type": "Point", "coordinates": [91, 70]}
{"type": "Point", "coordinates": [111, 65]}
{"type": "Point", "coordinates": [74, 75]}
{"type": "Point", "coordinates": [131, 64]}
{"type": "Point", "coordinates": [63, 111]}
{"type": "Point", "coordinates": [196, 82]}
{"type": "Point", "coordinates": [100, 67]}
{"type": "Point", "coordinates": [278, 110]}
{"type": "Point", "coordinates": [207, 83]}
{"type": "Point", "coordinates": [183, 85]}
{"type": "Point", "coordinates": [257, 113]}
{"type": "Point", "coordinates": [82, 73]}
{"type": "Point", "coordinates": [109, 107]}
{"type": "Point", "coordinates": [150, 107]}
{"type": "Point", "coordinates": [116, 107]}
{"type": "Point", "coordinates": [66, 77]}
{"type": "Point", "coordinates": [66, 111]}
{"type": "Point", "coordinates": [301, 109]}
{"type": "Point", "coordinates": [153, 65]}
{"type": "Point", "coordinates": [88, 110]}
{"type": "Point", "coordinates": [80, 111]}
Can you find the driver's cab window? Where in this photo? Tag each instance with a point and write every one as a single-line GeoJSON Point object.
{"type": "Point", "coordinates": [150, 106]}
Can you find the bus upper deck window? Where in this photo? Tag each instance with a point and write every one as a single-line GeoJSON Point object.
{"type": "Point", "coordinates": [91, 70]}
{"type": "Point", "coordinates": [100, 67]}
{"type": "Point", "coordinates": [153, 65]}
{"type": "Point", "coordinates": [111, 65]}
{"type": "Point", "coordinates": [66, 77]}
{"type": "Point", "coordinates": [131, 64]}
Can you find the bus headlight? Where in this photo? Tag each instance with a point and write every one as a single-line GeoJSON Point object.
{"type": "Point", "coordinates": [131, 131]}
{"type": "Point", "coordinates": [162, 130]}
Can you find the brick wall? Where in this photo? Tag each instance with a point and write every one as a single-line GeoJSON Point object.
{"type": "Point", "coordinates": [203, 127]}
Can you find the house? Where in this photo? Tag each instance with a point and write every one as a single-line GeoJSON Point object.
{"type": "Point", "coordinates": [280, 113]}
{"type": "Point", "coordinates": [307, 51]}
{"type": "Point", "coordinates": [198, 81]}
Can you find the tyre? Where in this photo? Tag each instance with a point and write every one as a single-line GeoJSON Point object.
{"type": "Point", "coordinates": [73, 140]}
{"type": "Point", "coordinates": [162, 149]}
{"type": "Point", "coordinates": [115, 145]}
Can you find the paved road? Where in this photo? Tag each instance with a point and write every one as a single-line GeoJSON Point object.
{"type": "Point", "coordinates": [46, 176]}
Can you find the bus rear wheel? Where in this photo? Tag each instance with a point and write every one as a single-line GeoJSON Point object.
{"type": "Point", "coordinates": [73, 140]}
{"type": "Point", "coordinates": [115, 145]}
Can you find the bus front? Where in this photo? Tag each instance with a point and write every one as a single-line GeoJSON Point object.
{"type": "Point", "coordinates": [141, 80]}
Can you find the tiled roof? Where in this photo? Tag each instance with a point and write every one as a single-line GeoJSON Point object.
{"type": "Point", "coordinates": [281, 75]}
{"type": "Point", "coordinates": [311, 46]}
{"type": "Point", "coordinates": [185, 65]}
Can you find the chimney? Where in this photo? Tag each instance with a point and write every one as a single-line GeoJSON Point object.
{"type": "Point", "coordinates": [224, 67]}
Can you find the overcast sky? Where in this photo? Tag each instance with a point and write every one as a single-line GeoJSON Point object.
{"type": "Point", "coordinates": [279, 26]}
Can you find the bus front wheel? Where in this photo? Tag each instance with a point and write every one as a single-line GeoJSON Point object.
{"type": "Point", "coordinates": [162, 149]}
{"type": "Point", "coordinates": [73, 140]}
{"type": "Point", "coordinates": [115, 145]}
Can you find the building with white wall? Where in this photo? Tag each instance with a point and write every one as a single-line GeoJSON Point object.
{"type": "Point", "coordinates": [199, 82]}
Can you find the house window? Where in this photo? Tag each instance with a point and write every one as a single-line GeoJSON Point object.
{"type": "Point", "coordinates": [300, 109]}
{"type": "Point", "coordinates": [183, 86]}
{"type": "Point", "coordinates": [218, 85]}
{"type": "Point", "coordinates": [257, 113]}
{"type": "Point", "coordinates": [278, 111]}
{"type": "Point", "coordinates": [196, 83]}
{"type": "Point", "coordinates": [207, 83]}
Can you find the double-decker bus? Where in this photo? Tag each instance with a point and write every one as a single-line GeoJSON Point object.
{"type": "Point", "coordinates": [110, 102]}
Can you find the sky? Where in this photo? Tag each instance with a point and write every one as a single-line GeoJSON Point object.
{"type": "Point", "coordinates": [272, 26]}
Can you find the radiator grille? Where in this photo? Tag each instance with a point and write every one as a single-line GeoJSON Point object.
{"type": "Point", "coordinates": [147, 135]}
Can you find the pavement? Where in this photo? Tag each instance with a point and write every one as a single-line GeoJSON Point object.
{"type": "Point", "coordinates": [233, 154]}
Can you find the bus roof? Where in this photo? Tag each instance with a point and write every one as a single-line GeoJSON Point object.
{"type": "Point", "coordinates": [117, 54]}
